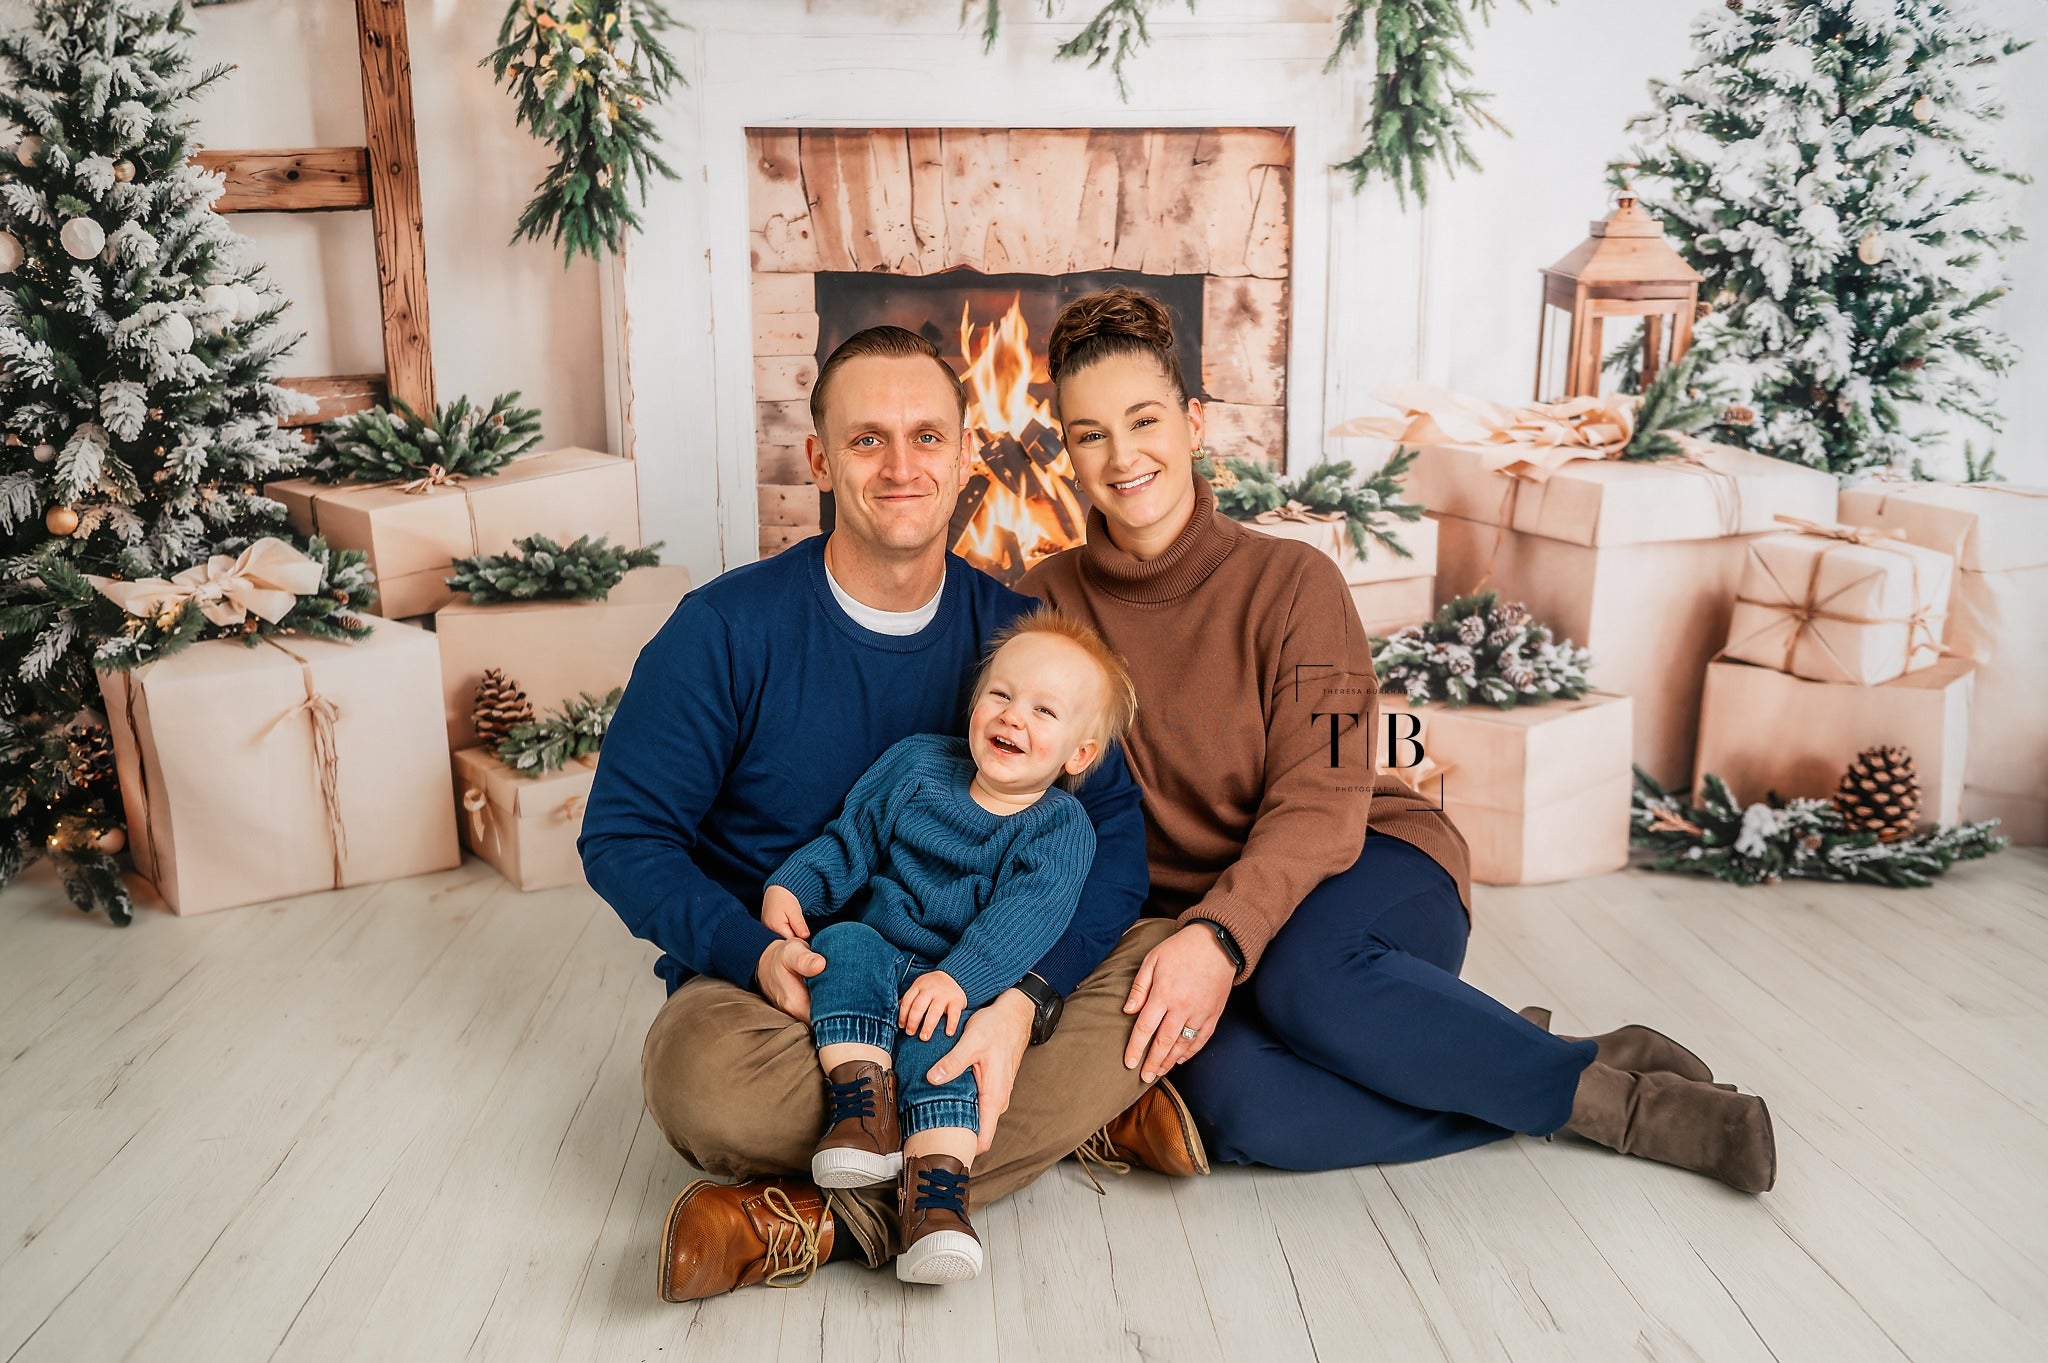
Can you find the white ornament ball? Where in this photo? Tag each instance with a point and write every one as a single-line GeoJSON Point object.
{"type": "Point", "coordinates": [176, 330]}
{"type": "Point", "coordinates": [83, 238]}
{"type": "Point", "coordinates": [28, 149]}
{"type": "Point", "coordinates": [1870, 250]}
{"type": "Point", "coordinates": [218, 298]}
{"type": "Point", "coordinates": [11, 254]}
{"type": "Point", "coordinates": [45, 453]}
{"type": "Point", "coordinates": [248, 303]}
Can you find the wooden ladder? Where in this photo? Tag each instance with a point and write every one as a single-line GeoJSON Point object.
{"type": "Point", "coordinates": [383, 177]}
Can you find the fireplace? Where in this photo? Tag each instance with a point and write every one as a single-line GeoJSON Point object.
{"type": "Point", "coordinates": [1021, 502]}
{"type": "Point", "coordinates": [976, 238]}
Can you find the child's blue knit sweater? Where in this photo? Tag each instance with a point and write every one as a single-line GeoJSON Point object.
{"type": "Point", "coordinates": [981, 895]}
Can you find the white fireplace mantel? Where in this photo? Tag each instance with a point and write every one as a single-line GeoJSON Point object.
{"type": "Point", "coordinates": [682, 326]}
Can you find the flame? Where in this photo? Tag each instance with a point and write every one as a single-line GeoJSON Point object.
{"type": "Point", "coordinates": [999, 369]}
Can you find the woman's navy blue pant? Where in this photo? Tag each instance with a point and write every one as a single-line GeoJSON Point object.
{"type": "Point", "coordinates": [1355, 1042]}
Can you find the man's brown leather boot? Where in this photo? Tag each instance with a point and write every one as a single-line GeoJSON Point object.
{"type": "Point", "coordinates": [1157, 1132]}
{"type": "Point", "coordinates": [864, 1143]}
{"type": "Point", "coordinates": [1635, 1047]}
{"type": "Point", "coordinates": [939, 1244]}
{"type": "Point", "coordinates": [725, 1236]}
{"type": "Point", "coordinates": [1678, 1121]}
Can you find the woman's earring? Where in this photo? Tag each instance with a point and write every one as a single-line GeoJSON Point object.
{"type": "Point", "coordinates": [1202, 452]}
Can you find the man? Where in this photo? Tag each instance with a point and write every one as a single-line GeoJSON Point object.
{"type": "Point", "coordinates": [749, 717]}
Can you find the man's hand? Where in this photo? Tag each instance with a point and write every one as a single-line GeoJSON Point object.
{"type": "Point", "coordinates": [784, 967]}
{"type": "Point", "coordinates": [932, 997]}
{"type": "Point", "coordinates": [992, 1044]}
{"type": "Point", "coordinates": [1183, 982]}
{"type": "Point", "coordinates": [782, 913]}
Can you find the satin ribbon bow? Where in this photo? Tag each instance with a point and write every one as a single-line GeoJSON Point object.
{"type": "Point", "coordinates": [1536, 440]}
{"type": "Point", "coordinates": [1295, 511]}
{"type": "Point", "coordinates": [265, 580]}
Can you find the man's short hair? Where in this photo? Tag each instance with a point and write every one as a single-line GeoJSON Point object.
{"type": "Point", "coordinates": [891, 343]}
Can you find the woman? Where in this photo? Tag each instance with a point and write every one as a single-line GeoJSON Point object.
{"type": "Point", "coordinates": [1312, 999]}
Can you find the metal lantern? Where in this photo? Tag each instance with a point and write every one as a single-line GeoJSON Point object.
{"type": "Point", "coordinates": [1625, 269]}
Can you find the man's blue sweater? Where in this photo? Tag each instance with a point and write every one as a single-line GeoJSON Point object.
{"type": "Point", "coordinates": [980, 895]}
{"type": "Point", "coordinates": [752, 714]}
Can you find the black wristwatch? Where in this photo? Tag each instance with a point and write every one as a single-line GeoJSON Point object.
{"type": "Point", "coordinates": [1046, 1006]}
{"type": "Point", "coordinates": [1226, 941]}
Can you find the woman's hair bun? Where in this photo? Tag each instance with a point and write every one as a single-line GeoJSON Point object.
{"type": "Point", "coordinates": [1119, 321]}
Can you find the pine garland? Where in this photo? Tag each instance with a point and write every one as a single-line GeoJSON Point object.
{"type": "Point", "coordinates": [1775, 840]}
{"type": "Point", "coordinates": [538, 569]}
{"type": "Point", "coordinates": [576, 730]}
{"type": "Point", "coordinates": [584, 72]}
{"type": "Point", "coordinates": [1245, 488]}
{"type": "Point", "coordinates": [1481, 649]}
{"type": "Point", "coordinates": [388, 444]}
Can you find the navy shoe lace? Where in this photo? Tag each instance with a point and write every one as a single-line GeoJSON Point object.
{"type": "Point", "coordinates": [942, 1189]}
{"type": "Point", "coordinates": [854, 1098]}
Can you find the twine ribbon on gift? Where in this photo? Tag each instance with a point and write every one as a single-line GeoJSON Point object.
{"type": "Point", "coordinates": [324, 714]}
{"type": "Point", "coordinates": [265, 580]}
{"type": "Point", "coordinates": [435, 476]}
{"type": "Point", "coordinates": [483, 822]}
{"type": "Point", "coordinates": [1808, 611]}
{"type": "Point", "coordinates": [1297, 513]}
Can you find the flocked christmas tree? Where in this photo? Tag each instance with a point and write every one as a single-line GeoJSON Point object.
{"type": "Point", "coordinates": [1827, 165]}
{"type": "Point", "coordinates": [136, 398]}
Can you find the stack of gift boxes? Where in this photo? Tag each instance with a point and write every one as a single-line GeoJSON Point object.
{"type": "Point", "coordinates": [251, 774]}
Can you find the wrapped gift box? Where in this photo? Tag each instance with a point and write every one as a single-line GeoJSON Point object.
{"type": "Point", "coordinates": [553, 649]}
{"type": "Point", "coordinates": [412, 538]}
{"type": "Point", "coordinates": [1832, 610]}
{"type": "Point", "coordinates": [1998, 618]}
{"type": "Point", "coordinates": [1762, 731]}
{"type": "Point", "coordinates": [1385, 607]}
{"type": "Point", "coordinates": [1540, 792]}
{"type": "Point", "coordinates": [1380, 564]}
{"type": "Point", "coordinates": [526, 828]}
{"type": "Point", "coordinates": [220, 754]}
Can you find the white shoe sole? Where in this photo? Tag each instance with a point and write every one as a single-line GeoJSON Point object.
{"type": "Point", "coordinates": [841, 1167]}
{"type": "Point", "coordinates": [946, 1256]}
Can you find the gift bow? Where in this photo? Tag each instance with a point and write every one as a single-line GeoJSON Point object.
{"type": "Point", "coordinates": [1295, 511]}
{"type": "Point", "coordinates": [1866, 536]}
{"type": "Point", "coordinates": [265, 580]}
{"type": "Point", "coordinates": [434, 477]}
{"type": "Point", "coordinates": [1536, 440]}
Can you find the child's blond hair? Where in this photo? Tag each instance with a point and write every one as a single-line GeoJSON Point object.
{"type": "Point", "coordinates": [1120, 708]}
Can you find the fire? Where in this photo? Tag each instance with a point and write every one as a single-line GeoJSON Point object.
{"type": "Point", "coordinates": [1029, 507]}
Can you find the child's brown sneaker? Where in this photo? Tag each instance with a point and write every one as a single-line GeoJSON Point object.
{"type": "Point", "coordinates": [939, 1245]}
{"type": "Point", "coordinates": [864, 1139]}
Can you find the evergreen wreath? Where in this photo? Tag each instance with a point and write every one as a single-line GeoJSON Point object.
{"type": "Point", "coordinates": [1246, 488]}
{"type": "Point", "coordinates": [395, 443]}
{"type": "Point", "coordinates": [576, 730]}
{"type": "Point", "coordinates": [1479, 648]}
{"type": "Point", "coordinates": [584, 72]}
{"type": "Point", "coordinates": [1802, 839]}
{"type": "Point", "coordinates": [539, 569]}
{"type": "Point", "coordinates": [1420, 115]}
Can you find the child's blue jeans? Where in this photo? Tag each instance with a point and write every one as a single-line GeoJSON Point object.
{"type": "Point", "coordinates": [857, 998]}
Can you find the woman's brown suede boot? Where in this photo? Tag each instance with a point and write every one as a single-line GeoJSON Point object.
{"type": "Point", "coordinates": [1635, 1047]}
{"type": "Point", "coordinates": [1678, 1121]}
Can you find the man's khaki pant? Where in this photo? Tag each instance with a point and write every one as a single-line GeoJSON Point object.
{"type": "Point", "coordinates": [734, 1084]}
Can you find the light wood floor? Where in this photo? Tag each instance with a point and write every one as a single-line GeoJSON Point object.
{"type": "Point", "coordinates": [403, 1122]}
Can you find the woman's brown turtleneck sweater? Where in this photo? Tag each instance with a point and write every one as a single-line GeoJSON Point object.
{"type": "Point", "coordinates": [1246, 650]}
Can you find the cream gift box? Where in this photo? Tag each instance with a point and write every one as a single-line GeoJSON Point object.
{"type": "Point", "coordinates": [1837, 604]}
{"type": "Point", "coordinates": [1998, 618]}
{"type": "Point", "coordinates": [1540, 792]}
{"type": "Point", "coordinates": [554, 650]}
{"type": "Point", "coordinates": [413, 537]}
{"type": "Point", "coordinates": [251, 774]}
{"type": "Point", "coordinates": [526, 828]}
{"type": "Point", "coordinates": [1389, 591]}
{"type": "Point", "coordinates": [1764, 731]}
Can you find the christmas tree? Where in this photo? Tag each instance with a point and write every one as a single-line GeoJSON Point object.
{"type": "Point", "coordinates": [136, 400]}
{"type": "Point", "coordinates": [1826, 165]}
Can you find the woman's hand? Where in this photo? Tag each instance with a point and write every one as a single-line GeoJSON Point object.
{"type": "Point", "coordinates": [932, 997]}
{"type": "Point", "coordinates": [782, 913]}
{"type": "Point", "coordinates": [1184, 982]}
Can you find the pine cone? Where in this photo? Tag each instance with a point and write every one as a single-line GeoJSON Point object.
{"type": "Point", "coordinates": [500, 707]}
{"type": "Point", "coordinates": [1471, 631]}
{"type": "Point", "coordinates": [1880, 793]}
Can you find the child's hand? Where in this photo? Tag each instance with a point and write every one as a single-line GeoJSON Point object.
{"type": "Point", "coordinates": [783, 915]}
{"type": "Point", "coordinates": [931, 997]}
